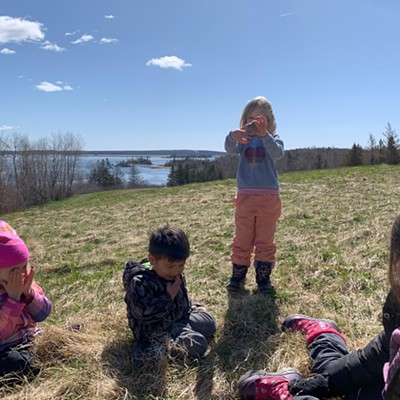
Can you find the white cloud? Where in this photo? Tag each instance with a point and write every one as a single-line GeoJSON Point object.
{"type": "Point", "coordinates": [83, 39]}
{"type": "Point", "coordinates": [7, 51]}
{"type": "Point", "coordinates": [286, 15]}
{"type": "Point", "coordinates": [109, 16]}
{"type": "Point", "coordinates": [51, 47]}
{"type": "Point", "coordinates": [20, 30]}
{"type": "Point", "coordinates": [6, 128]}
{"type": "Point", "coordinates": [51, 87]}
{"type": "Point", "coordinates": [169, 62]}
{"type": "Point", "coordinates": [108, 40]}
{"type": "Point", "coordinates": [71, 33]}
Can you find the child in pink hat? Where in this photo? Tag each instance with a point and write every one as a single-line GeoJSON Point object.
{"type": "Point", "coordinates": [22, 304]}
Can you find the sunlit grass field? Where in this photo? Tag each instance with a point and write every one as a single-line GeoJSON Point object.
{"type": "Point", "coordinates": [332, 242]}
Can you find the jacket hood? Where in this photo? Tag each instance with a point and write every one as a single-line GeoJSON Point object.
{"type": "Point", "coordinates": [133, 268]}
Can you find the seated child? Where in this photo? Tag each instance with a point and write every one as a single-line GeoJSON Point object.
{"type": "Point", "coordinates": [22, 304]}
{"type": "Point", "coordinates": [370, 373]}
{"type": "Point", "coordinates": [159, 310]}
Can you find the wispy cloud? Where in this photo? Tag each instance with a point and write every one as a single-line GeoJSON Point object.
{"type": "Point", "coordinates": [20, 30]}
{"type": "Point", "coordinates": [173, 62]}
{"type": "Point", "coordinates": [7, 51]}
{"type": "Point", "coordinates": [71, 33]}
{"type": "Point", "coordinates": [52, 47]}
{"type": "Point", "coordinates": [109, 16]}
{"type": "Point", "coordinates": [83, 39]}
{"type": "Point", "coordinates": [5, 128]}
{"type": "Point", "coordinates": [51, 87]}
{"type": "Point", "coordinates": [105, 40]}
{"type": "Point", "coordinates": [286, 15]}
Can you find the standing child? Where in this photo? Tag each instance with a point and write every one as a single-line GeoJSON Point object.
{"type": "Point", "coordinates": [22, 304]}
{"type": "Point", "coordinates": [258, 204]}
{"type": "Point", "coordinates": [159, 310]}
{"type": "Point", "coordinates": [371, 373]}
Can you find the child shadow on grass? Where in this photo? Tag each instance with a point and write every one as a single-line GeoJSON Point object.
{"type": "Point", "coordinates": [246, 341]}
{"type": "Point", "coordinates": [146, 381]}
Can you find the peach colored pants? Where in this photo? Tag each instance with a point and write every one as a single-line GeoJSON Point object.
{"type": "Point", "coordinates": [256, 216]}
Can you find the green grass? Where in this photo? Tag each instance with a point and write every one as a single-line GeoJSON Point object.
{"type": "Point", "coordinates": [332, 242]}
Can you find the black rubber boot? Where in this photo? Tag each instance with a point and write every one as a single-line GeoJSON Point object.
{"type": "Point", "coordinates": [263, 274]}
{"type": "Point", "coordinates": [238, 277]}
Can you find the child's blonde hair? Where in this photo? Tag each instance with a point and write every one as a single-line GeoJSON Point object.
{"type": "Point", "coordinates": [263, 103]}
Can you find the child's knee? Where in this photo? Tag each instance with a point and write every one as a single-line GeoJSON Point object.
{"type": "Point", "coordinates": [197, 346]}
{"type": "Point", "coordinates": [204, 322]}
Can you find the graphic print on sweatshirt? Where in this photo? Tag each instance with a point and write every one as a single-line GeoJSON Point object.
{"type": "Point", "coordinates": [255, 155]}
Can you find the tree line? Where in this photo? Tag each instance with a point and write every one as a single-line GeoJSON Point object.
{"type": "Point", "coordinates": [386, 150]}
{"type": "Point", "coordinates": [35, 172]}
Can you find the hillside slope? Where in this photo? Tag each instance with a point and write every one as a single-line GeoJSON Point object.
{"type": "Point", "coordinates": [332, 244]}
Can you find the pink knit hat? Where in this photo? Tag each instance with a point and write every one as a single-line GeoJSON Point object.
{"type": "Point", "coordinates": [13, 250]}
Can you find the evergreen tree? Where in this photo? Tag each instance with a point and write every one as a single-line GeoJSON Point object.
{"type": "Point", "coordinates": [102, 174]}
{"type": "Point", "coordinates": [355, 156]}
{"type": "Point", "coordinates": [180, 175]}
{"type": "Point", "coordinates": [318, 163]}
{"type": "Point", "coordinates": [381, 151]}
{"type": "Point", "coordinates": [135, 179]}
{"type": "Point", "coordinates": [171, 181]}
{"type": "Point", "coordinates": [373, 159]}
{"type": "Point", "coordinates": [392, 145]}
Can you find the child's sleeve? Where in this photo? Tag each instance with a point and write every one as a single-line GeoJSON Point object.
{"type": "Point", "coordinates": [37, 304]}
{"type": "Point", "coordinates": [10, 312]}
{"type": "Point", "coordinates": [145, 303]}
{"type": "Point", "coordinates": [274, 146]}
{"type": "Point", "coordinates": [231, 146]}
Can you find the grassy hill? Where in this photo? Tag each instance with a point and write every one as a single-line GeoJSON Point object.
{"type": "Point", "coordinates": [332, 244]}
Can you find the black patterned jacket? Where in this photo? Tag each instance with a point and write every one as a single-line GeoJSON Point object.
{"type": "Point", "coordinates": [151, 310]}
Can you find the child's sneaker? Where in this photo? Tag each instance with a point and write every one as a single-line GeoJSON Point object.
{"type": "Point", "coordinates": [238, 277]}
{"type": "Point", "coordinates": [311, 327]}
{"type": "Point", "coordinates": [260, 385]}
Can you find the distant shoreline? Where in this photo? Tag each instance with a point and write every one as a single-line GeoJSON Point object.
{"type": "Point", "coordinates": [161, 153]}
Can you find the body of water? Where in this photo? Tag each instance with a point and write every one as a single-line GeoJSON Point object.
{"type": "Point", "coordinates": [154, 174]}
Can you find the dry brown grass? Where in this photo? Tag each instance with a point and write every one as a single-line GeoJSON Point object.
{"type": "Point", "coordinates": [332, 248]}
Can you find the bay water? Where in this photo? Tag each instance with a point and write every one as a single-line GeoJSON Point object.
{"type": "Point", "coordinates": [155, 174]}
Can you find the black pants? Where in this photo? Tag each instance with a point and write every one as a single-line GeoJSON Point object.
{"type": "Point", "coordinates": [191, 335]}
{"type": "Point", "coordinates": [15, 361]}
{"type": "Point", "coordinates": [329, 347]}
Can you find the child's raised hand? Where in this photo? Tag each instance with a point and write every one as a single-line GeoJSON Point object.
{"type": "Point", "coordinates": [261, 124]}
{"type": "Point", "coordinates": [28, 279]}
{"type": "Point", "coordinates": [240, 136]}
{"type": "Point", "coordinates": [174, 287]}
{"type": "Point", "coordinates": [14, 284]}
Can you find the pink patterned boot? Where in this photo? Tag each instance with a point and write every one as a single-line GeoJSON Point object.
{"type": "Point", "coordinates": [311, 327]}
{"type": "Point", "coordinates": [260, 385]}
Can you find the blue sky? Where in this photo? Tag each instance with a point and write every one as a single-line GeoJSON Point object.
{"type": "Point", "coordinates": [176, 74]}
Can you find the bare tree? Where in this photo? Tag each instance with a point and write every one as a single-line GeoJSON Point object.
{"type": "Point", "coordinates": [41, 170]}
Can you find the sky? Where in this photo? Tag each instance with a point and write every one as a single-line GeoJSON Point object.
{"type": "Point", "coordinates": [176, 74]}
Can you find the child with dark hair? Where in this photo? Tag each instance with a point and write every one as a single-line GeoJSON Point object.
{"type": "Point", "coordinates": [22, 304]}
{"type": "Point", "coordinates": [160, 313]}
{"type": "Point", "coordinates": [371, 373]}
